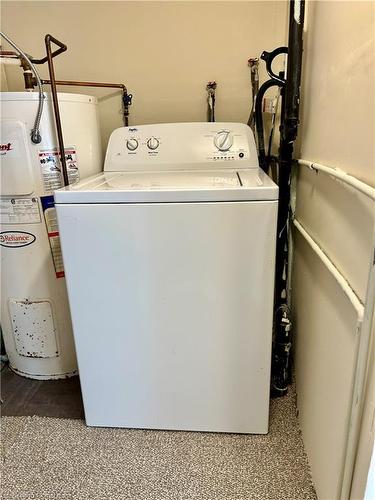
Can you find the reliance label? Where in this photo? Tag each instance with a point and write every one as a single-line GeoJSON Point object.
{"type": "Point", "coordinates": [16, 239]}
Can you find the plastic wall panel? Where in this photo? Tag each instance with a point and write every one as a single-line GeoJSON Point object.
{"type": "Point", "coordinates": [340, 220]}
{"type": "Point", "coordinates": [325, 326]}
{"type": "Point", "coordinates": [338, 130]}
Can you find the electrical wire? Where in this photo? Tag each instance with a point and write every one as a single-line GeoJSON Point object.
{"type": "Point", "coordinates": [35, 132]}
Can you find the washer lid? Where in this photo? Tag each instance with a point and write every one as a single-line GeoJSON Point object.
{"type": "Point", "coordinates": [171, 186]}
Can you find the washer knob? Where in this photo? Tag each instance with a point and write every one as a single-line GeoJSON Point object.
{"type": "Point", "coordinates": [153, 143]}
{"type": "Point", "coordinates": [132, 144]}
{"type": "Point", "coordinates": [223, 140]}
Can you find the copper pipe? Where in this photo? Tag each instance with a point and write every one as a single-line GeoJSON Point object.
{"type": "Point", "coordinates": [8, 53]}
{"type": "Point", "coordinates": [48, 39]}
{"type": "Point", "coordinates": [51, 54]}
{"type": "Point", "coordinates": [126, 97]}
{"type": "Point", "coordinates": [87, 84]}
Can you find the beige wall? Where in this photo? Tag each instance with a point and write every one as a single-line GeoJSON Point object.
{"type": "Point", "coordinates": [165, 52]}
{"type": "Point", "coordinates": [337, 129]}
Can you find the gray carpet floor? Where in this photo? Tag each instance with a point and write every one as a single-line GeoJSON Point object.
{"type": "Point", "coordinates": [61, 459]}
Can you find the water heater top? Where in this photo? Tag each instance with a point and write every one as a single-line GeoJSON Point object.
{"type": "Point", "coordinates": [34, 96]}
{"type": "Point", "coordinates": [181, 146]}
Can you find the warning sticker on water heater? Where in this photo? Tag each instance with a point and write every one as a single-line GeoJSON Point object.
{"type": "Point", "coordinates": [19, 211]}
{"type": "Point", "coordinates": [51, 168]}
{"type": "Point", "coordinates": [48, 204]}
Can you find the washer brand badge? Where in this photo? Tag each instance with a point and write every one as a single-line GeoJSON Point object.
{"type": "Point", "coordinates": [5, 148]}
{"type": "Point", "coordinates": [16, 239]}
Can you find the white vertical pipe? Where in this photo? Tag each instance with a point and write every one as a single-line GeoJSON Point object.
{"type": "Point", "coordinates": [359, 381]}
{"type": "Point", "coordinates": [370, 486]}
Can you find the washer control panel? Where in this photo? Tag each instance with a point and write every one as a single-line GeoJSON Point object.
{"type": "Point", "coordinates": [173, 146]}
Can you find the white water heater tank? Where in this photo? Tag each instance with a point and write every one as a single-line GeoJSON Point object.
{"type": "Point", "coordinates": [35, 316]}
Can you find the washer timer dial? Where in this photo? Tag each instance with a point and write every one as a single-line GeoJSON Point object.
{"type": "Point", "coordinates": [223, 140]}
{"type": "Point", "coordinates": [132, 144]}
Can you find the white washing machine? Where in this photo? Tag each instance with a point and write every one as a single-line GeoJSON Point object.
{"type": "Point", "coordinates": [169, 260]}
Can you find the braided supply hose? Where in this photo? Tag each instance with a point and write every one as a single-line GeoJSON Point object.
{"type": "Point", "coordinates": [35, 132]}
